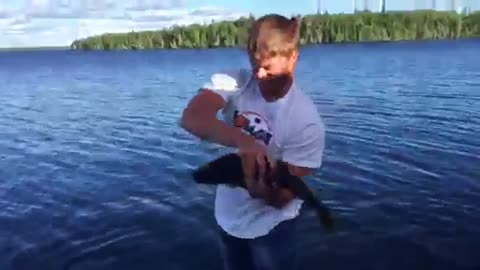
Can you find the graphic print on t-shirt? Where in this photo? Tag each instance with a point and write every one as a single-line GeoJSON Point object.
{"type": "Point", "coordinates": [254, 124]}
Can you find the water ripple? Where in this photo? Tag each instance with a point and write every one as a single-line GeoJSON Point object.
{"type": "Point", "coordinates": [95, 168]}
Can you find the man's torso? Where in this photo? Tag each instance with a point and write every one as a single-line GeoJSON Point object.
{"type": "Point", "coordinates": [236, 212]}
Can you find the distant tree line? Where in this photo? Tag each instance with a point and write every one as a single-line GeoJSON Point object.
{"type": "Point", "coordinates": [315, 29]}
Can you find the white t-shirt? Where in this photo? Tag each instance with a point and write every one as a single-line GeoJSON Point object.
{"type": "Point", "coordinates": [292, 130]}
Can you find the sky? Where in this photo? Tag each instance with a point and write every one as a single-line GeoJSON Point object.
{"type": "Point", "coordinates": [32, 23]}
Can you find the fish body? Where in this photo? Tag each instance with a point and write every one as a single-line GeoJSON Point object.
{"type": "Point", "coordinates": [228, 170]}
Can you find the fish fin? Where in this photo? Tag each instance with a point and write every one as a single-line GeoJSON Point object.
{"type": "Point", "coordinates": [226, 169]}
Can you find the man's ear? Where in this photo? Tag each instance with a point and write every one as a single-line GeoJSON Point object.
{"type": "Point", "coordinates": [292, 61]}
{"type": "Point", "coordinates": [294, 55]}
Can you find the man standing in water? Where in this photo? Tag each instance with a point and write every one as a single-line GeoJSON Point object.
{"type": "Point", "coordinates": [265, 115]}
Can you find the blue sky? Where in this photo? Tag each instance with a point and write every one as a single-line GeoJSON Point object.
{"type": "Point", "coordinates": [59, 22]}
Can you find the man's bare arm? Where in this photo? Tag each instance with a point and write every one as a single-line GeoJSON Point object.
{"type": "Point", "coordinates": [200, 119]}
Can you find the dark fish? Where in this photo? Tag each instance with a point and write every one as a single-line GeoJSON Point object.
{"type": "Point", "coordinates": [228, 170]}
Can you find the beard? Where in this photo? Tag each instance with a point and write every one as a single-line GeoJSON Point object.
{"type": "Point", "coordinates": [276, 86]}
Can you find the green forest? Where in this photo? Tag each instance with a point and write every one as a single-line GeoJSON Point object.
{"type": "Point", "coordinates": [315, 29]}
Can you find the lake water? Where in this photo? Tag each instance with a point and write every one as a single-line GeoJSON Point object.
{"type": "Point", "coordinates": [94, 167]}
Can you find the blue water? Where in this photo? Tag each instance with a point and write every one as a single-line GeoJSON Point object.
{"type": "Point", "coordinates": [94, 167]}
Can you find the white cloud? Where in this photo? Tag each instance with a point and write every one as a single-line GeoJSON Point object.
{"type": "Point", "coordinates": [4, 13]}
{"type": "Point", "coordinates": [59, 22]}
{"type": "Point", "coordinates": [157, 4]}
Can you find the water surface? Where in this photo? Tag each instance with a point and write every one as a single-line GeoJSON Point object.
{"type": "Point", "coordinates": [94, 168]}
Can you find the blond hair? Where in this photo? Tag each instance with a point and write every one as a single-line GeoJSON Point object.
{"type": "Point", "coordinates": [273, 35]}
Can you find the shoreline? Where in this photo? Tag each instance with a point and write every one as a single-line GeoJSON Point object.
{"type": "Point", "coordinates": [359, 27]}
{"type": "Point", "coordinates": [31, 49]}
{"type": "Point", "coordinates": [316, 29]}
{"type": "Point", "coordinates": [333, 44]}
